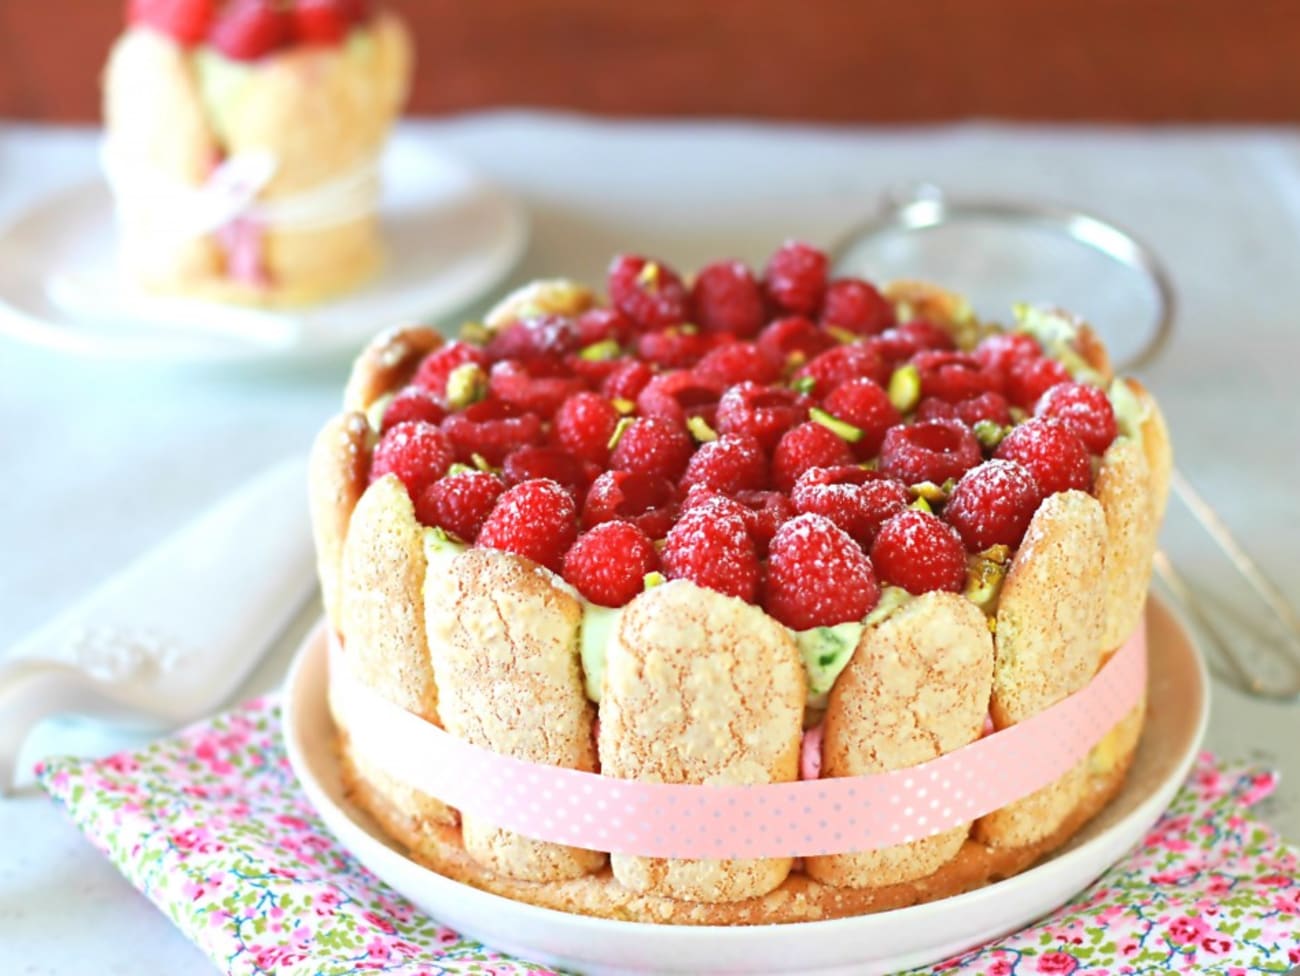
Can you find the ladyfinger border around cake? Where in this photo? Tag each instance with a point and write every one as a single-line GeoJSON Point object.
{"type": "Point", "coordinates": [1072, 593]}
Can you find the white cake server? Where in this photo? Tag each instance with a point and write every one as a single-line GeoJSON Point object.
{"type": "Point", "coordinates": [172, 636]}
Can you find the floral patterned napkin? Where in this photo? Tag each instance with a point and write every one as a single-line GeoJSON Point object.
{"type": "Point", "coordinates": [212, 827]}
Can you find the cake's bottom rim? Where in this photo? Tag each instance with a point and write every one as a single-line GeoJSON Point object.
{"type": "Point", "coordinates": [438, 846]}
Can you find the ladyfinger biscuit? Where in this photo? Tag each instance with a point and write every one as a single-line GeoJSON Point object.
{"type": "Point", "coordinates": [1046, 647]}
{"type": "Point", "coordinates": [700, 688]}
{"type": "Point", "coordinates": [336, 478]}
{"type": "Point", "coordinates": [1094, 352]}
{"type": "Point", "coordinates": [558, 296]}
{"type": "Point", "coordinates": [1046, 639]}
{"type": "Point", "coordinates": [1123, 489]}
{"type": "Point", "coordinates": [382, 606]}
{"type": "Point", "coordinates": [504, 641]}
{"type": "Point", "coordinates": [387, 363]}
{"type": "Point", "coordinates": [1156, 446]}
{"type": "Point", "coordinates": [917, 687]}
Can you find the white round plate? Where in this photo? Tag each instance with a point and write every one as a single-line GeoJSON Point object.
{"type": "Point", "coordinates": [450, 236]}
{"type": "Point", "coordinates": [863, 945]}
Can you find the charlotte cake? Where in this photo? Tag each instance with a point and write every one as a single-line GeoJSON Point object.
{"type": "Point", "coordinates": [302, 93]}
{"type": "Point", "coordinates": [741, 532]}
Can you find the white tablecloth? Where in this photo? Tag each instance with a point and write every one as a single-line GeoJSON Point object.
{"type": "Point", "coordinates": [100, 460]}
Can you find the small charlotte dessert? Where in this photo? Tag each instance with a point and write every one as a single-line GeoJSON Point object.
{"type": "Point", "coordinates": [741, 530]}
{"type": "Point", "coordinates": [243, 141]}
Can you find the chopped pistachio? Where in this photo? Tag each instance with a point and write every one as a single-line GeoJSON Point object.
{"type": "Point", "coordinates": [804, 384]}
{"type": "Point", "coordinates": [600, 351]}
{"type": "Point", "coordinates": [931, 492]}
{"type": "Point", "coordinates": [700, 430]}
{"type": "Point", "coordinates": [921, 505]}
{"type": "Point", "coordinates": [623, 406]}
{"type": "Point", "coordinates": [466, 384]}
{"type": "Point", "coordinates": [1019, 415]}
{"type": "Point", "coordinates": [796, 359]}
{"type": "Point", "coordinates": [840, 334]}
{"type": "Point", "coordinates": [459, 468]}
{"type": "Point", "coordinates": [654, 579]}
{"type": "Point", "coordinates": [998, 554]}
{"type": "Point", "coordinates": [619, 430]}
{"type": "Point", "coordinates": [984, 582]}
{"type": "Point", "coordinates": [892, 599]}
{"type": "Point", "coordinates": [870, 465]}
{"type": "Point", "coordinates": [993, 625]}
{"type": "Point", "coordinates": [475, 333]}
{"type": "Point", "coordinates": [905, 388]}
{"type": "Point", "coordinates": [480, 462]}
{"type": "Point", "coordinates": [649, 274]}
{"type": "Point", "coordinates": [688, 328]}
{"type": "Point", "coordinates": [989, 433]}
{"type": "Point", "coordinates": [840, 428]}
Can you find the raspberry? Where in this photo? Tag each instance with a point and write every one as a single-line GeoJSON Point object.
{"type": "Point", "coordinates": [438, 365]}
{"type": "Point", "coordinates": [592, 372]}
{"type": "Point", "coordinates": [645, 500]}
{"type": "Point", "coordinates": [416, 452]}
{"type": "Point", "coordinates": [608, 564]}
{"type": "Point", "coordinates": [856, 305]}
{"type": "Point", "coordinates": [841, 364]}
{"type": "Point", "coordinates": [653, 445]}
{"type": "Point", "coordinates": [992, 504]}
{"type": "Point", "coordinates": [1053, 453]}
{"type": "Point", "coordinates": [584, 424]}
{"type": "Point", "coordinates": [732, 463]}
{"type": "Point", "coordinates": [1002, 349]}
{"type": "Point", "coordinates": [763, 511]}
{"type": "Point", "coordinates": [986, 406]}
{"type": "Point", "coordinates": [809, 445]}
{"type": "Point", "coordinates": [559, 466]}
{"type": "Point", "coordinates": [1029, 379]}
{"type": "Point", "coordinates": [932, 408]}
{"type": "Point", "coordinates": [807, 554]}
{"type": "Point", "coordinates": [771, 510]}
{"type": "Point", "coordinates": [603, 325]}
{"type": "Point", "coordinates": [736, 362]}
{"type": "Point", "coordinates": [864, 404]}
{"type": "Point", "coordinates": [1086, 410]}
{"type": "Point", "coordinates": [490, 429]}
{"type": "Point", "coordinates": [727, 299]}
{"type": "Point", "coordinates": [791, 342]}
{"type": "Point", "coordinates": [459, 503]}
{"type": "Point", "coordinates": [648, 292]}
{"type": "Point", "coordinates": [535, 519]}
{"type": "Point", "coordinates": [678, 395]}
{"type": "Point", "coordinates": [905, 341]}
{"type": "Point", "coordinates": [710, 546]}
{"type": "Point", "coordinates": [672, 348]}
{"type": "Point", "coordinates": [412, 403]}
{"type": "Point", "coordinates": [511, 382]}
{"type": "Point", "coordinates": [536, 337]}
{"type": "Point", "coordinates": [184, 21]}
{"type": "Point", "coordinates": [764, 413]}
{"type": "Point", "coordinates": [932, 450]}
{"type": "Point", "coordinates": [319, 21]}
{"type": "Point", "coordinates": [627, 381]}
{"type": "Point", "coordinates": [856, 500]}
{"type": "Point", "coordinates": [796, 278]}
{"type": "Point", "coordinates": [953, 376]}
{"type": "Point", "coordinates": [250, 29]}
{"type": "Point", "coordinates": [920, 553]}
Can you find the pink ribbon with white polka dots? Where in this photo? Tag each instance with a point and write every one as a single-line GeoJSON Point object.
{"type": "Point", "coordinates": [823, 816]}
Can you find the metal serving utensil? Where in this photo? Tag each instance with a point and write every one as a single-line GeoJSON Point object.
{"type": "Point", "coordinates": [915, 208]}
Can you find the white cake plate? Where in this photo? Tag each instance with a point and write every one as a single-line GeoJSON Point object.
{"type": "Point", "coordinates": [450, 237]}
{"type": "Point", "coordinates": [866, 945]}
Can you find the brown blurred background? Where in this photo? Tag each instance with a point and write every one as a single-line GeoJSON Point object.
{"type": "Point", "coordinates": [827, 60]}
